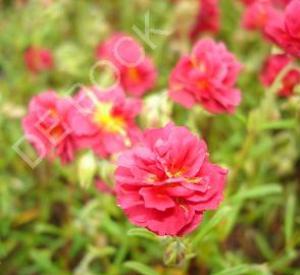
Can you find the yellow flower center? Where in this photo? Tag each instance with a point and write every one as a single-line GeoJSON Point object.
{"type": "Point", "coordinates": [104, 118]}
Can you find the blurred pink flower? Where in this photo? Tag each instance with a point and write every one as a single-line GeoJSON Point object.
{"type": "Point", "coordinates": [104, 120]}
{"type": "Point", "coordinates": [272, 67]}
{"type": "Point", "coordinates": [38, 59]}
{"type": "Point", "coordinates": [136, 71]}
{"type": "Point", "coordinates": [248, 2]}
{"type": "Point", "coordinates": [207, 77]}
{"type": "Point", "coordinates": [276, 3]}
{"type": "Point", "coordinates": [208, 18]}
{"type": "Point", "coordinates": [167, 182]}
{"type": "Point", "coordinates": [258, 14]}
{"type": "Point", "coordinates": [46, 126]}
{"type": "Point", "coordinates": [284, 29]}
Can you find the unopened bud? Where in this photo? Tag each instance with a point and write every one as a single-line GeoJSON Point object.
{"type": "Point", "coordinates": [175, 253]}
{"type": "Point", "coordinates": [86, 169]}
{"type": "Point", "coordinates": [157, 110]}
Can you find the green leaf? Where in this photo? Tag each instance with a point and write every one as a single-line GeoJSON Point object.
{"type": "Point", "coordinates": [279, 124]}
{"type": "Point", "coordinates": [206, 228]}
{"type": "Point", "coordinates": [289, 219]}
{"type": "Point", "coordinates": [140, 232]}
{"type": "Point", "coordinates": [243, 269]}
{"type": "Point", "coordinates": [257, 192]}
{"type": "Point", "coordinates": [140, 268]}
{"type": "Point", "coordinates": [264, 246]}
{"type": "Point", "coordinates": [42, 260]}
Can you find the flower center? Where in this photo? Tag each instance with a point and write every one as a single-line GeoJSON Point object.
{"type": "Point", "coordinates": [133, 74]}
{"type": "Point", "coordinates": [202, 84]}
{"type": "Point", "coordinates": [172, 173]}
{"type": "Point", "coordinates": [262, 17]}
{"type": "Point", "coordinates": [51, 126]}
{"type": "Point", "coordinates": [202, 67]}
{"type": "Point", "coordinates": [104, 118]}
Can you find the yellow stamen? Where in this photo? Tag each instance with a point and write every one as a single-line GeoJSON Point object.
{"type": "Point", "coordinates": [105, 119]}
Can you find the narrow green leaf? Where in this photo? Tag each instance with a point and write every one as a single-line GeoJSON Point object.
{"type": "Point", "coordinates": [206, 228]}
{"type": "Point", "coordinates": [258, 192]}
{"type": "Point", "coordinates": [289, 219]}
{"type": "Point", "coordinates": [279, 124]}
{"type": "Point", "coordinates": [140, 232]}
{"type": "Point", "coordinates": [263, 246]}
{"type": "Point", "coordinates": [243, 269]}
{"type": "Point", "coordinates": [140, 268]}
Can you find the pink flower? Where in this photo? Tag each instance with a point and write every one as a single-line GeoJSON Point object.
{"type": "Point", "coordinates": [38, 59]}
{"type": "Point", "coordinates": [167, 182]}
{"type": "Point", "coordinates": [284, 29]}
{"type": "Point", "coordinates": [258, 14]}
{"type": "Point", "coordinates": [276, 3]}
{"type": "Point", "coordinates": [248, 2]}
{"type": "Point", "coordinates": [136, 71]}
{"type": "Point", "coordinates": [46, 126]}
{"type": "Point", "coordinates": [208, 18]}
{"type": "Point", "coordinates": [272, 67]}
{"type": "Point", "coordinates": [207, 77]}
{"type": "Point", "coordinates": [104, 120]}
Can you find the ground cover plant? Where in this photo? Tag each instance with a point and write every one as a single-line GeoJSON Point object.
{"type": "Point", "coordinates": [149, 137]}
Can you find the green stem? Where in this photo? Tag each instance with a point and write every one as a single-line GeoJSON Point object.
{"type": "Point", "coordinates": [265, 109]}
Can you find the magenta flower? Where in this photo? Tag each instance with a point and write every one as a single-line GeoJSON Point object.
{"type": "Point", "coordinates": [136, 72]}
{"type": "Point", "coordinates": [284, 29]}
{"type": "Point", "coordinates": [38, 59]}
{"type": "Point", "coordinates": [208, 18]}
{"type": "Point", "coordinates": [258, 14]}
{"type": "Point", "coordinates": [104, 120]}
{"type": "Point", "coordinates": [206, 77]}
{"type": "Point", "coordinates": [275, 3]}
{"type": "Point", "coordinates": [273, 66]}
{"type": "Point", "coordinates": [46, 126]}
{"type": "Point", "coordinates": [167, 182]}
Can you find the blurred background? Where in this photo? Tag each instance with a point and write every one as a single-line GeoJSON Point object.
{"type": "Point", "coordinates": [49, 224]}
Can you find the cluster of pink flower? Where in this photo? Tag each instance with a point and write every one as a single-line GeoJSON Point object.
{"type": "Point", "coordinates": [102, 121]}
{"type": "Point", "coordinates": [279, 22]}
{"type": "Point", "coordinates": [160, 187]}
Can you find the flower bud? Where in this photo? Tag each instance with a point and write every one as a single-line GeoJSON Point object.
{"type": "Point", "coordinates": [86, 169]}
{"type": "Point", "coordinates": [175, 253]}
{"type": "Point", "coordinates": [156, 110]}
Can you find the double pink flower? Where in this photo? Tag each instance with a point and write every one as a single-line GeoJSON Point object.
{"type": "Point", "coordinates": [284, 29]}
{"type": "Point", "coordinates": [135, 71]}
{"type": "Point", "coordinates": [166, 182]}
{"type": "Point", "coordinates": [273, 66]}
{"type": "Point", "coordinates": [47, 126]}
{"type": "Point", "coordinates": [38, 59]}
{"type": "Point", "coordinates": [207, 77]}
